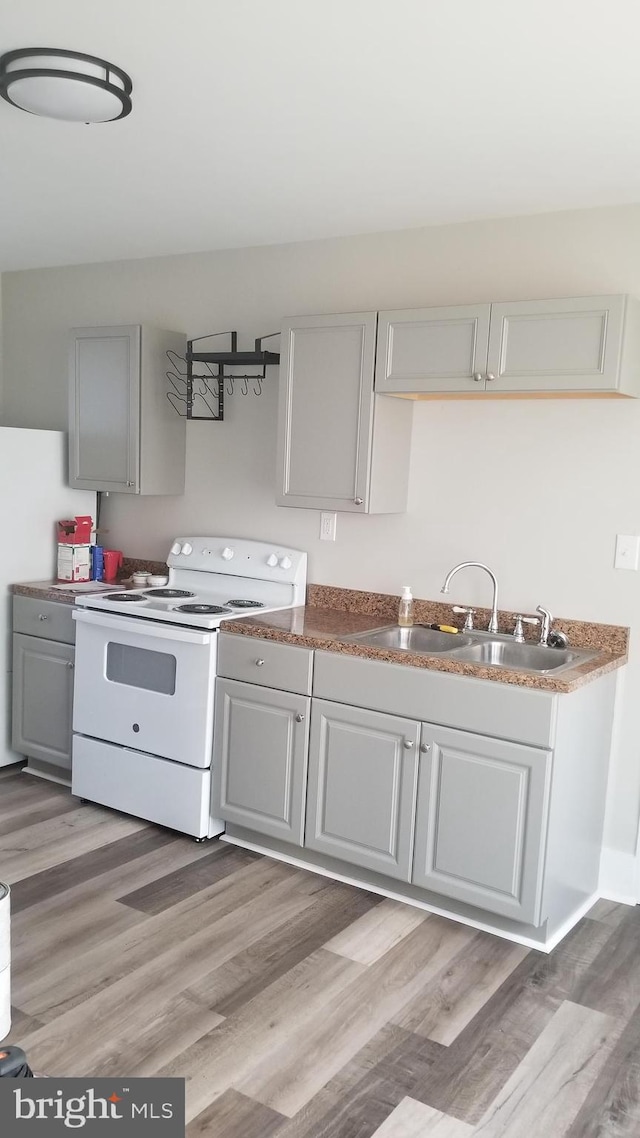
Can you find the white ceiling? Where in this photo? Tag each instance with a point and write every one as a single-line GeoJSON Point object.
{"type": "Point", "coordinates": [262, 121]}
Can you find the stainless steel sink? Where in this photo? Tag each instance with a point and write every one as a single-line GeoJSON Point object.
{"type": "Point", "coordinates": [416, 639]}
{"type": "Point", "coordinates": [522, 657]}
{"type": "Point", "coordinates": [474, 648]}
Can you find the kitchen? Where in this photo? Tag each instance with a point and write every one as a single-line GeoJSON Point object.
{"type": "Point", "coordinates": [538, 489]}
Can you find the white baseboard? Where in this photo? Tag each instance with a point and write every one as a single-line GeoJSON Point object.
{"type": "Point", "coordinates": [618, 876]}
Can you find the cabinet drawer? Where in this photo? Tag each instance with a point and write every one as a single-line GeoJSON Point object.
{"type": "Point", "coordinates": [488, 708]}
{"type": "Point", "coordinates": [263, 662]}
{"type": "Point", "coordinates": [49, 620]}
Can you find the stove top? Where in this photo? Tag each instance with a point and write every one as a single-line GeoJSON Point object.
{"type": "Point", "coordinates": [212, 579]}
{"type": "Point", "coordinates": [168, 593]}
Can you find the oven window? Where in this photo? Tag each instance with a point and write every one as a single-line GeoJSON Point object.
{"type": "Point", "coordinates": [141, 668]}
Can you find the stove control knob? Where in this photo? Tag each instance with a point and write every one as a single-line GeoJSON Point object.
{"type": "Point", "coordinates": [285, 563]}
{"type": "Point", "coordinates": [187, 548]}
{"type": "Point", "coordinates": [227, 553]}
{"type": "Point", "coordinates": [176, 548]}
{"type": "Point", "coordinates": [272, 560]}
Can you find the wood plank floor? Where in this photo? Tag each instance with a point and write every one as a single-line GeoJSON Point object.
{"type": "Point", "coordinates": [299, 1007]}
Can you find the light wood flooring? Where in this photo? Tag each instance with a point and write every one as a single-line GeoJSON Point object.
{"type": "Point", "coordinates": [299, 1007]}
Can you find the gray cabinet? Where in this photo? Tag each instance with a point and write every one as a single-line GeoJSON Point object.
{"type": "Point", "coordinates": [433, 349]}
{"type": "Point", "coordinates": [362, 787]}
{"type": "Point", "coordinates": [481, 821]}
{"type": "Point", "coordinates": [340, 447]}
{"type": "Point", "coordinates": [588, 345]}
{"type": "Point", "coordinates": [124, 435]}
{"type": "Point", "coordinates": [43, 701]}
{"type": "Point", "coordinates": [260, 758]}
{"type": "Point", "coordinates": [480, 799]}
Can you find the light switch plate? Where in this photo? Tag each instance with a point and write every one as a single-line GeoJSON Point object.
{"type": "Point", "coordinates": [627, 551]}
{"type": "Point", "coordinates": [328, 524]}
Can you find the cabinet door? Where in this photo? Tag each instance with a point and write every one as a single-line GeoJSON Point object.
{"type": "Point", "coordinates": [565, 345]}
{"type": "Point", "coordinates": [362, 787]}
{"type": "Point", "coordinates": [260, 759]}
{"type": "Point", "coordinates": [326, 411]}
{"type": "Point", "coordinates": [42, 699]}
{"type": "Point", "coordinates": [481, 821]}
{"type": "Point", "coordinates": [433, 350]}
{"type": "Point", "coordinates": [104, 415]}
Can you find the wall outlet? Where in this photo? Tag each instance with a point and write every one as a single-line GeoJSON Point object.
{"type": "Point", "coordinates": [328, 524]}
{"type": "Point", "coordinates": [627, 551]}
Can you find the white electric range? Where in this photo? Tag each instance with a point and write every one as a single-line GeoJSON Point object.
{"type": "Point", "coordinates": [143, 716]}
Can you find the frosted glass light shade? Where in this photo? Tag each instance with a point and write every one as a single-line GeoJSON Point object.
{"type": "Point", "coordinates": [65, 85]}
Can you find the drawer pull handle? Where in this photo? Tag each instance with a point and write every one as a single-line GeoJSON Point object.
{"type": "Point", "coordinates": [425, 748]}
{"type": "Point", "coordinates": [408, 744]}
{"type": "Point", "coordinates": [259, 663]}
{"type": "Point", "coordinates": [299, 718]}
{"type": "Point", "coordinates": [42, 616]}
{"type": "Point", "coordinates": [358, 501]}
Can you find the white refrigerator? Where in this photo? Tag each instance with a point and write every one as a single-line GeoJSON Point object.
{"type": "Point", "coordinates": [33, 496]}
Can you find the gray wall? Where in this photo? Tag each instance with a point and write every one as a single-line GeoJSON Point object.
{"type": "Point", "coordinates": [538, 489]}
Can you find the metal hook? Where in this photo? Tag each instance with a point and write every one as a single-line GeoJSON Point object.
{"type": "Point", "coordinates": [173, 401]}
{"type": "Point", "coordinates": [213, 392]}
{"type": "Point", "coordinates": [229, 385]}
{"type": "Point", "coordinates": [245, 387]}
{"type": "Point", "coordinates": [180, 387]}
{"type": "Point", "coordinates": [257, 380]}
{"type": "Point", "coordinates": [207, 404]}
{"type": "Point", "coordinates": [176, 361]}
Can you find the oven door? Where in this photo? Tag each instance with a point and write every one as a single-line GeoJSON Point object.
{"type": "Point", "coordinates": [145, 685]}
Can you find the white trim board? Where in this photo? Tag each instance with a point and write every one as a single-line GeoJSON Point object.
{"type": "Point", "coordinates": [619, 877]}
{"type": "Point", "coordinates": [528, 942]}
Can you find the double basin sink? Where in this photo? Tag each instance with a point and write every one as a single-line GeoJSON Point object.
{"type": "Point", "coordinates": [473, 648]}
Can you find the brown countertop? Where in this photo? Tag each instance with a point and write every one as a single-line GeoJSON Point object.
{"type": "Point", "coordinates": [324, 626]}
{"type": "Point", "coordinates": [44, 590]}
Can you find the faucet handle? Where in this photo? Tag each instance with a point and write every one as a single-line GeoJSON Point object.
{"type": "Point", "coordinates": [518, 631]}
{"type": "Point", "coordinates": [470, 613]}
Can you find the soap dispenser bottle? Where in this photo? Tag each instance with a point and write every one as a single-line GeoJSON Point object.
{"type": "Point", "coordinates": [405, 608]}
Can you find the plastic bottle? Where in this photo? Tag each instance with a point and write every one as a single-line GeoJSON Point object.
{"type": "Point", "coordinates": [405, 608]}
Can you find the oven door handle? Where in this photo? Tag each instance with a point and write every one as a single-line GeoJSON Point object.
{"type": "Point", "coordinates": [141, 627]}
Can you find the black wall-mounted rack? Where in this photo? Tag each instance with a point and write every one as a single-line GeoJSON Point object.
{"type": "Point", "coordinates": [259, 357]}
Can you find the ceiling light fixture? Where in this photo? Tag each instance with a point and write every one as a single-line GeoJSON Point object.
{"type": "Point", "coordinates": [65, 85]}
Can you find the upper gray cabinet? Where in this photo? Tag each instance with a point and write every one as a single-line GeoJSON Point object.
{"type": "Point", "coordinates": [340, 446]}
{"type": "Point", "coordinates": [577, 345]}
{"type": "Point", "coordinates": [123, 433]}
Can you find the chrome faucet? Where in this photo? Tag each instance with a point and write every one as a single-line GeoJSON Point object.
{"type": "Point", "coordinates": [545, 624]}
{"type": "Point", "coordinates": [493, 623]}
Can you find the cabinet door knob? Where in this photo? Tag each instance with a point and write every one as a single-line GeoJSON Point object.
{"type": "Point", "coordinates": [358, 501]}
{"type": "Point", "coordinates": [42, 616]}
{"type": "Point", "coordinates": [490, 376]}
{"type": "Point", "coordinates": [259, 663]}
{"type": "Point", "coordinates": [299, 718]}
{"type": "Point", "coordinates": [477, 375]}
{"type": "Point", "coordinates": [408, 744]}
{"type": "Point", "coordinates": [69, 663]}
{"type": "Point", "coordinates": [425, 747]}
{"type": "Point", "coordinates": [129, 483]}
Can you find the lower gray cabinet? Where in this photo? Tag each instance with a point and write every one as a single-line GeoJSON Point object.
{"type": "Point", "coordinates": [260, 759]}
{"type": "Point", "coordinates": [481, 821]}
{"type": "Point", "coordinates": [43, 699]}
{"type": "Point", "coordinates": [362, 787]}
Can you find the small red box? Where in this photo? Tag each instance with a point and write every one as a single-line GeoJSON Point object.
{"type": "Point", "coordinates": [75, 531]}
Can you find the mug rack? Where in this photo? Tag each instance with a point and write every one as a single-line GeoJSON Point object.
{"type": "Point", "coordinates": [192, 390]}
